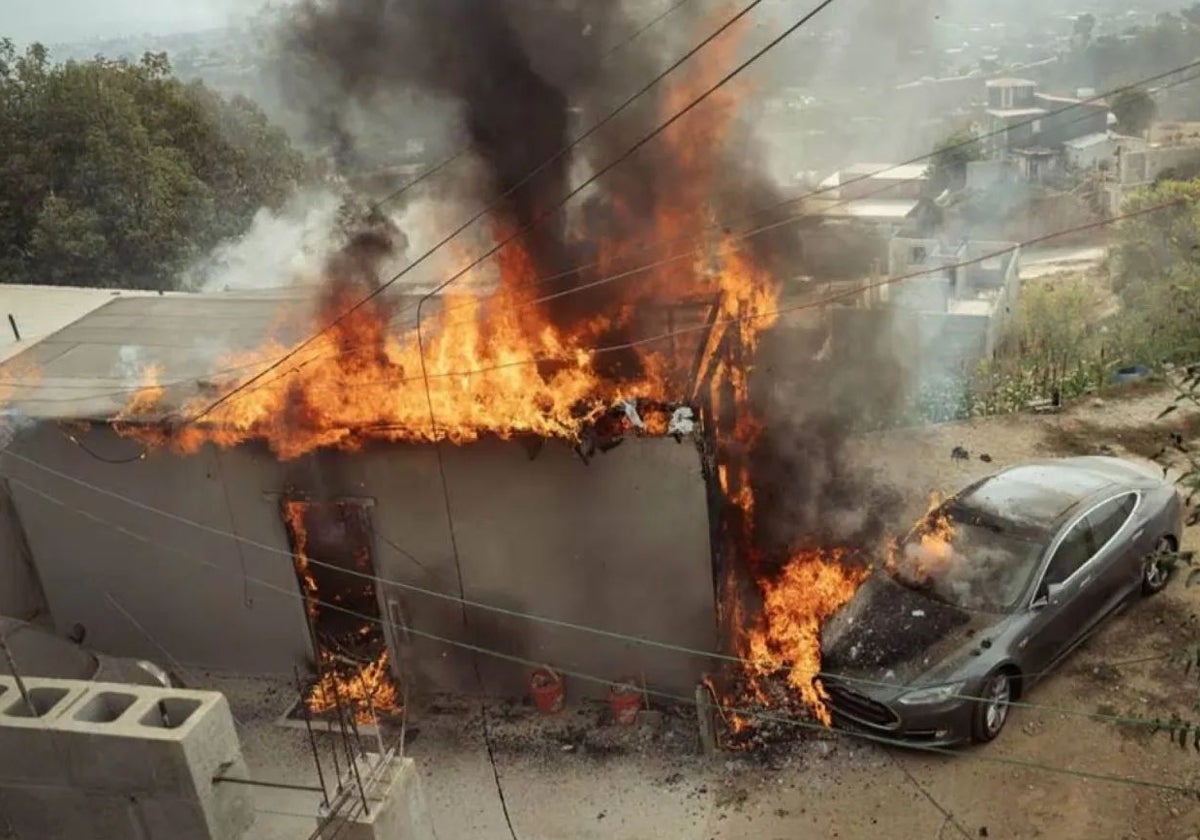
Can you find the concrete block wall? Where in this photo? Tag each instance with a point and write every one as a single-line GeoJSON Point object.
{"type": "Point", "coordinates": [114, 760]}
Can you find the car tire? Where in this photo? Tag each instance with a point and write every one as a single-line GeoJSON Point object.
{"type": "Point", "coordinates": [1154, 575]}
{"type": "Point", "coordinates": [992, 708]}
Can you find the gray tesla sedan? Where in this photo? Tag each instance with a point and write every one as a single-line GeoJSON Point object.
{"type": "Point", "coordinates": [991, 590]}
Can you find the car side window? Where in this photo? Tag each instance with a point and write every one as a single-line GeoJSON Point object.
{"type": "Point", "coordinates": [1075, 549]}
{"type": "Point", "coordinates": [1108, 518]}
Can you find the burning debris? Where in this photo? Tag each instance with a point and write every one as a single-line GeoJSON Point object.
{"type": "Point", "coordinates": [352, 660]}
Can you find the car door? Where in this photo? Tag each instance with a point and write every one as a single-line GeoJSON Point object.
{"type": "Point", "coordinates": [1060, 618]}
{"type": "Point", "coordinates": [1112, 574]}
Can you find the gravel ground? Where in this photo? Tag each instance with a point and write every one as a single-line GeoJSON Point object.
{"type": "Point", "coordinates": [578, 776]}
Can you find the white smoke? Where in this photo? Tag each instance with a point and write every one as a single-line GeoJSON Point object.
{"type": "Point", "coordinates": [282, 248]}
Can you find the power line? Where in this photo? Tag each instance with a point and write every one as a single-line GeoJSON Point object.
{"type": "Point", "coordinates": [772, 313]}
{"type": "Point", "coordinates": [752, 714]}
{"type": "Point", "coordinates": [492, 205]}
{"type": "Point", "coordinates": [660, 243]}
{"type": "Point", "coordinates": [462, 150]}
{"type": "Point", "coordinates": [722, 226]}
{"type": "Point", "coordinates": [517, 614]}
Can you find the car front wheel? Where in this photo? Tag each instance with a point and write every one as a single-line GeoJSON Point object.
{"type": "Point", "coordinates": [992, 707]}
{"type": "Point", "coordinates": [1156, 572]}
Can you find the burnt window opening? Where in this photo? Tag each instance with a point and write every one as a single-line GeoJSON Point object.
{"type": "Point", "coordinates": [332, 558]}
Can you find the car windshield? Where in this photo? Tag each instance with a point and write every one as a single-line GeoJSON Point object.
{"type": "Point", "coordinates": [969, 559]}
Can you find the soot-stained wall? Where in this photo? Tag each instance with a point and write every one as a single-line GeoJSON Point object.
{"type": "Point", "coordinates": [621, 544]}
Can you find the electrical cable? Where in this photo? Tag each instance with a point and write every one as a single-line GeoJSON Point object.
{"type": "Point", "coordinates": [539, 619]}
{"type": "Point", "coordinates": [746, 713]}
{"type": "Point", "coordinates": [140, 456]}
{"type": "Point", "coordinates": [462, 150]}
{"type": "Point", "coordinates": [493, 204]}
{"type": "Point", "coordinates": [658, 243]}
{"type": "Point", "coordinates": [352, 350]}
{"type": "Point", "coordinates": [773, 313]}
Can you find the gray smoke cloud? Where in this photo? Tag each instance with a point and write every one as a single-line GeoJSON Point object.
{"type": "Point", "coordinates": [523, 80]}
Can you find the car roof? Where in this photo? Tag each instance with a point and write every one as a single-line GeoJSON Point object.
{"type": "Point", "coordinates": [1042, 494]}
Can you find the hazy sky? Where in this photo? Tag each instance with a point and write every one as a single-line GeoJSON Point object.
{"type": "Point", "coordinates": [75, 20]}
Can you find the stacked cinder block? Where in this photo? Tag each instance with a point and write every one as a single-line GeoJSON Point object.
{"type": "Point", "coordinates": [105, 760]}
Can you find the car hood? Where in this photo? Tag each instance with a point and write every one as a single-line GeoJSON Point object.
{"type": "Point", "coordinates": [894, 634]}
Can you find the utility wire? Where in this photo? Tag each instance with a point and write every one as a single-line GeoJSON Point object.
{"type": "Point", "coordinates": [462, 150]}
{"type": "Point", "coordinates": [700, 250]}
{"type": "Point", "coordinates": [566, 625]}
{"type": "Point", "coordinates": [492, 205]}
{"type": "Point", "coordinates": [747, 713]}
{"type": "Point", "coordinates": [661, 243]}
{"type": "Point", "coordinates": [772, 313]}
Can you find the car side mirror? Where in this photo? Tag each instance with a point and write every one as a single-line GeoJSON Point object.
{"type": "Point", "coordinates": [1049, 595]}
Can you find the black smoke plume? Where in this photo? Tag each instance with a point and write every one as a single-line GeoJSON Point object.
{"type": "Point", "coordinates": [526, 78]}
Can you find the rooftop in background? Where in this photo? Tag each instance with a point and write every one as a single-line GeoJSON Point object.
{"type": "Point", "coordinates": [39, 311]}
{"type": "Point", "coordinates": [1010, 82]}
{"type": "Point", "coordinates": [892, 210]}
{"type": "Point", "coordinates": [883, 171]}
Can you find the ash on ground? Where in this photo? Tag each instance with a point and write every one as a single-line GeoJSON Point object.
{"type": "Point", "coordinates": [770, 725]}
{"type": "Point", "coordinates": [585, 729]}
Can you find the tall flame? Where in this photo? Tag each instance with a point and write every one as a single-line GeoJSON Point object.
{"type": "Point", "coordinates": [811, 588]}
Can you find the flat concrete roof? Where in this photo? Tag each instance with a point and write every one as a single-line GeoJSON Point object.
{"type": "Point", "coordinates": [41, 310]}
{"type": "Point", "coordinates": [1006, 113]}
{"type": "Point", "coordinates": [893, 209]}
{"type": "Point", "coordinates": [90, 368]}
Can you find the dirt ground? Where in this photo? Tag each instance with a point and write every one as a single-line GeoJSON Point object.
{"type": "Point", "coordinates": [575, 776]}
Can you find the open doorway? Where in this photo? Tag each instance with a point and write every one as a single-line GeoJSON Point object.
{"type": "Point", "coordinates": [331, 550]}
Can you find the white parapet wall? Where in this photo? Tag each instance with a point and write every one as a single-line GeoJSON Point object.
{"type": "Point", "coordinates": [106, 760]}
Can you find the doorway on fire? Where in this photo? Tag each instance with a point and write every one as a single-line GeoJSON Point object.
{"type": "Point", "coordinates": [331, 552]}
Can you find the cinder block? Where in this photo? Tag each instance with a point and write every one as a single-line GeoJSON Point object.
{"type": "Point", "coordinates": [398, 810]}
{"type": "Point", "coordinates": [164, 746]}
{"type": "Point", "coordinates": [143, 757]}
{"type": "Point", "coordinates": [33, 749]}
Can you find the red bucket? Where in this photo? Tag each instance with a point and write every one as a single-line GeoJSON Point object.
{"type": "Point", "coordinates": [625, 698]}
{"type": "Point", "coordinates": [546, 688]}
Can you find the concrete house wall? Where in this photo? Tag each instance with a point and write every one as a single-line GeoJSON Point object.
{"type": "Point", "coordinates": [621, 544]}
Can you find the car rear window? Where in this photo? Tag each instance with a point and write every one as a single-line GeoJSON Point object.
{"type": "Point", "coordinates": [1108, 518]}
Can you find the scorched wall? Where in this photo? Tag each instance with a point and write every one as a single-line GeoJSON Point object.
{"type": "Point", "coordinates": [621, 544]}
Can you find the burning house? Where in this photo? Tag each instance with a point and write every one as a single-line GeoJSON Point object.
{"type": "Point", "coordinates": [618, 445]}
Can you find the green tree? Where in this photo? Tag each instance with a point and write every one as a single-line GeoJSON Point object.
{"type": "Point", "coordinates": [948, 165]}
{"type": "Point", "coordinates": [1135, 110]}
{"type": "Point", "coordinates": [1155, 261]}
{"type": "Point", "coordinates": [117, 174]}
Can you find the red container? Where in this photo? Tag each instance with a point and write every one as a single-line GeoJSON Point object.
{"type": "Point", "coordinates": [546, 688]}
{"type": "Point", "coordinates": [625, 699]}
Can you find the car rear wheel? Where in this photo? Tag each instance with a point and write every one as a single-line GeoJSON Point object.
{"type": "Point", "coordinates": [992, 707]}
{"type": "Point", "coordinates": [1155, 572]}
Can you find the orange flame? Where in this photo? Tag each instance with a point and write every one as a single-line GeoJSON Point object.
{"type": "Point", "coordinates": [369, 691]}
{"type": "Point", "coordinates": [811, 588]}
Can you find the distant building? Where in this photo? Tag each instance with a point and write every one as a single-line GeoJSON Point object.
{"type": "Point", "coordinates": [1100, 150]}
{"type": "Point", "coordinates": [950, 308]}
{"type": "Point", "coordinates": [878, 194]}
{"type": "Point", "coordinates": [1018, 118]}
